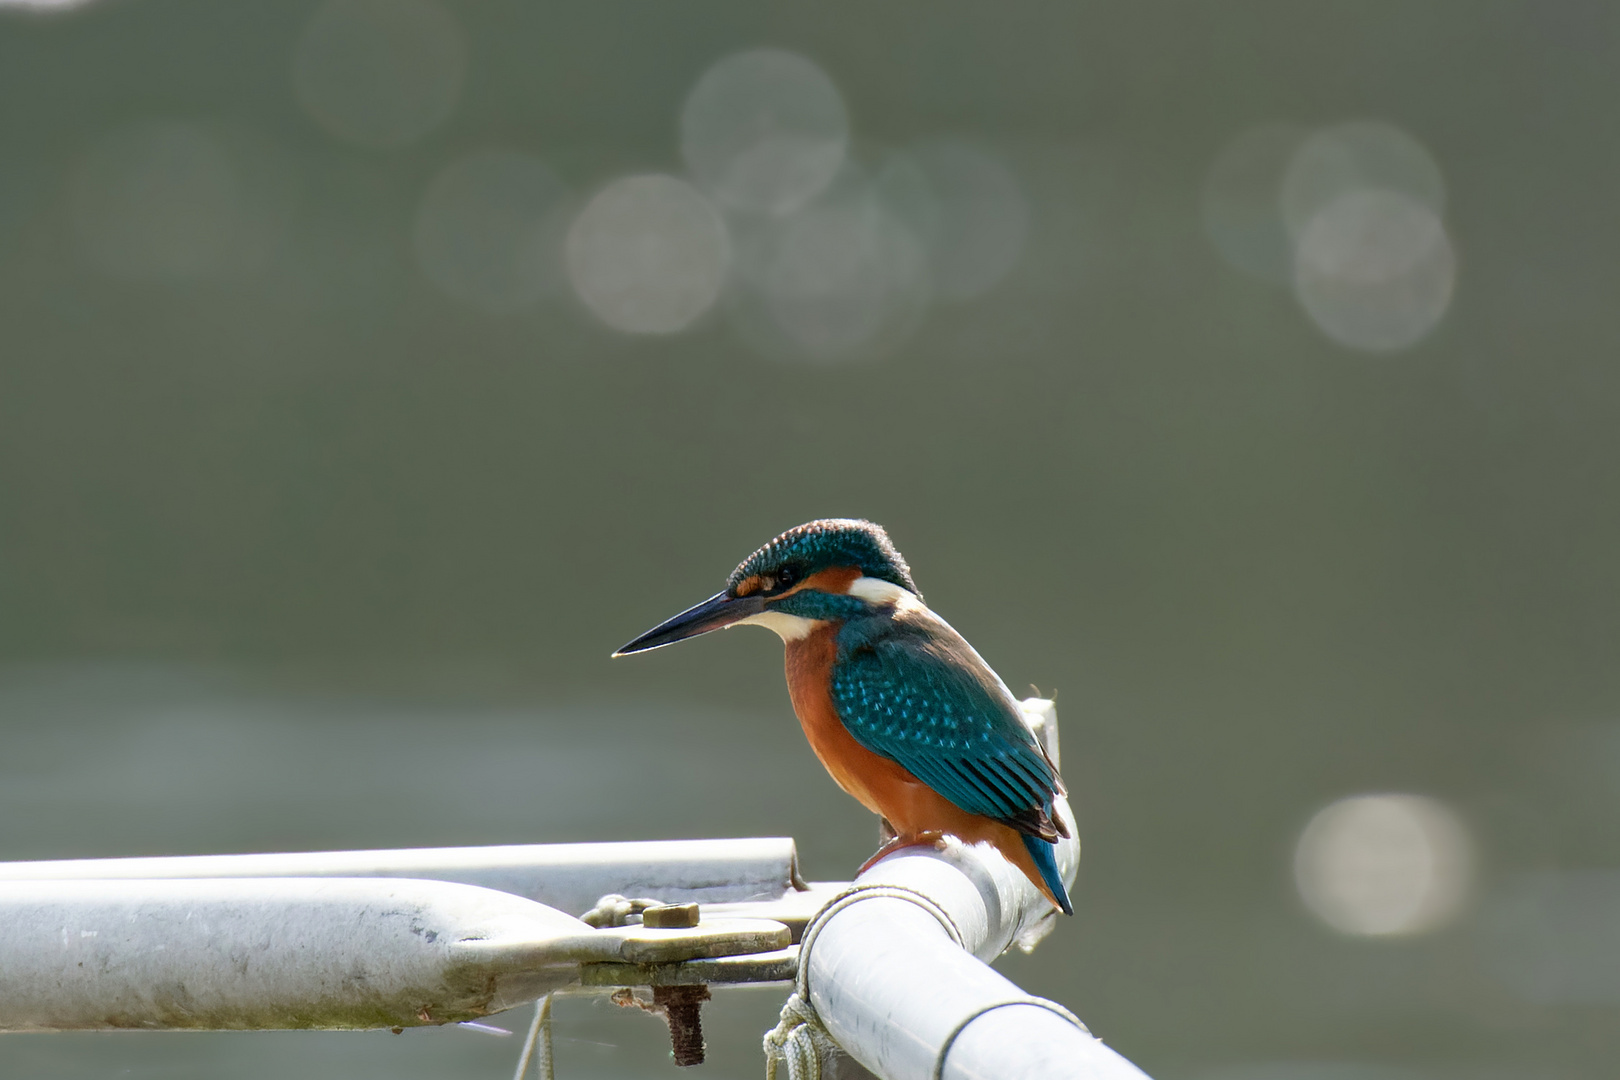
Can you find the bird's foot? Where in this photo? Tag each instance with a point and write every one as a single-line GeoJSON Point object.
{"type": "Point", "coordinates": [926, 838]}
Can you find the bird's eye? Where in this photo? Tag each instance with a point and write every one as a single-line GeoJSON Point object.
{"type": "Point", "coordinates": [785, 577]}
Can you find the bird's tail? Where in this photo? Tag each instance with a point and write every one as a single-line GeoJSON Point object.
{"type": "Point", "coordinates": [1045, 856]}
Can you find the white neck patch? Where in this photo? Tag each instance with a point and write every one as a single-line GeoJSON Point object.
{"type": "Point", "coordinates": [877, 591]}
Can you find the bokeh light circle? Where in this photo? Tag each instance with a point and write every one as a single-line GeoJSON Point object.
{"type": "Point", "coordinates": [1375, 270]}
{"type": "Point", "coordinates": [840, 278]}
{"type": "Point", "coordinates": [1381, 865]}
{"type": "Point", "coordinates": [843, 279]}
{"type": "Point", "coordinates": [1240, 203]}
{"type": "Point", "coordinates": [648, 254]}
{"type": "Point", "coordinates": [380, 73]}
{"type": "Point", "coordinates": [764, 131]}
{"type": "Point", "coordinates": [966, 207]}
{"type": "Point", "coordinates": [1364, 154]}
{"type": "Point", "coordinates": [489, 230]}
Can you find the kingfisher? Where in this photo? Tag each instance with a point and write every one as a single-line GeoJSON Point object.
{"type": "Point", "coordinates": [902, 712]}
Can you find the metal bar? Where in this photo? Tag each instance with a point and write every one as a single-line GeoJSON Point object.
{"type": "Point", "coordinates": [570, 877]}
{"type": "Point", "coordinates": [258, 953]}
{"type": "Point", "coordinates": [897, 993]}
{"type": "Point", "coordinates": [897, 971]}
{"type": "Point", "coordinates": [255, 954]}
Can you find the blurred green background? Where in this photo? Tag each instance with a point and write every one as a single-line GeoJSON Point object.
{"type": "Point", "coordinates": [353, 409]}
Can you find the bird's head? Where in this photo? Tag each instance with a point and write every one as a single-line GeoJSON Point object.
{"type": "Point", "coordinates": [821, 571]}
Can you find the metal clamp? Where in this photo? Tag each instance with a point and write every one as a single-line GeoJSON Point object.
{"type": "Point", "coordinates": [853, 895]}
{"type": "Point", "coordinates": [938, 1072]}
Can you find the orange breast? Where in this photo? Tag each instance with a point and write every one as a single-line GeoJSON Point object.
{"type": "Point", "coordinates": [874, 780]}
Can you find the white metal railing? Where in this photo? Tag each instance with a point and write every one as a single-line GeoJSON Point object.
{"type": "Point", "coordinates": [569, 877]}
{"type": "Point", "coordinates": [891, 967]}
{"type": "Point", "coordinates": [896, 973]}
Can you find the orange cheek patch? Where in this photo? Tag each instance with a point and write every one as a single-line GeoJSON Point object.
{"type": "Point", "coordinates": [836, 579]}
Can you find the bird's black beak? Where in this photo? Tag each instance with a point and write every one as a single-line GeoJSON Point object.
{"type": "Point", "coordinates": [716, 613]}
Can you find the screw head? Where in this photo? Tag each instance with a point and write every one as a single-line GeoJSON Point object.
{"type": "Point", "coordinates": [671, 916]}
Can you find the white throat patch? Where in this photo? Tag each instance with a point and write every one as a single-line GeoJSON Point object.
{"type": "Point", "coordinates": [787, 627]}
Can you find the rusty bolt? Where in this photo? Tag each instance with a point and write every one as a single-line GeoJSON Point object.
{"type": "Point", "coordinates": [680, 1005]}
{"type": "Point", "coordinates": [670, 916]}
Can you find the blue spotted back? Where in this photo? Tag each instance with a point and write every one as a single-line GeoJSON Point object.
{"type": "Point", "coordinates": [911, 689]}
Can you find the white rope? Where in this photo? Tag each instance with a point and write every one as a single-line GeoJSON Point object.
{"type": "Point", "coordinates": [615, 910]}
{"type": "Point", "coordinates": [800, 1040]}
{"type": "Point", "coordinates": [538, 1044]}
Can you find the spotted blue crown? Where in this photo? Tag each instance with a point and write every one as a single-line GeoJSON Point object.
{"type": "Point", "coordinates": [819, 545]}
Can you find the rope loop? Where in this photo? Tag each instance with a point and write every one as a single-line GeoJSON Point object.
{"type": "Point", "coordinates": [616, 910]}
{"type": "Point", "coordinates": [800, 1038]}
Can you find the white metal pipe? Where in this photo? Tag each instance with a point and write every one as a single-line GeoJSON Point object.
{"type": "Point", "coordinates": [1025, 1040]}
{"type": "Point", "coordinates": [899, 994]}
{"type": "Point", "coordinates": [258, 953]}
{"type": "Point", "coordinates": [570, 877]}
{"type": "Point", "coordinates": [897, 971]}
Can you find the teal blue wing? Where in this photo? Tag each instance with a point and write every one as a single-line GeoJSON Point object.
{"type": "Point", "coordinates": [921, 697]}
